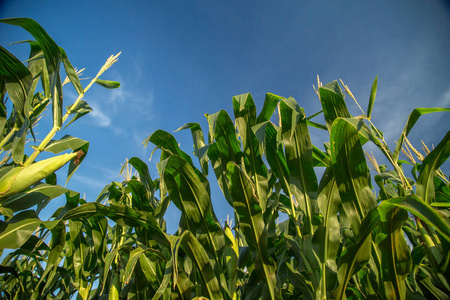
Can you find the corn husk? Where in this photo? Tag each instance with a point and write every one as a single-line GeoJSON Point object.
{"type": "Point", "coordinates": [20, 178]}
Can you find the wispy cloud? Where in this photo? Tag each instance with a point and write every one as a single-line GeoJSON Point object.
{"type": "Point", "coordinates": [124, 105]}
{"type": "Point", "coordinates": [445, 99]}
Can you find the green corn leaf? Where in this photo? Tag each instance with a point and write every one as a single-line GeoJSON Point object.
{"type": "Point", "coordinates": [299, 281]}
{"type": "Point", "coordinates": [131, 264]}
{"type": "Point", "coordinates": [224, 148]}
{"type": "Point", "coordinates": [199, 142]}
{"type": "Point", "coordinates": [79, 146]}
{"type": "Point", "coordinates": [124, 216]}
{"type": "Point", "coordinates": [373, 95]}
{"type": "Point", "coordinates": [316, 125]}
{"type": "Point", "coordinates": [412, 119]}
{"type": "Point", "coordinates": [189, 194]}
{"type": "Point", "coordinates": [333, 103]}
{"type": "Point", "coordinates": [351, 172]}
{"type": "Point", "coordinates": [20, 178]}
{"type": "Point", "coordinates": [109, 258]}
{"type": "Point", "coordinates": [51, 50]}
{"type": "Point", "coordinates": [18, 144]}
{"type": "Point", "coordinates": [80, 109]}
{"type": "Point", "coordinates": [70, 71]}
{"type": "Point", "coordinates": [165, 282]}
{"type": "Point", "coordinates": [109, 84]}
{"type": "Point", "coordinates": [326, 239]}
{"type": "Point", "coordinates": [275, 157]}
{"type": "Point", "coordinates": [197, 253]}
{"type": "Point", "coordinates": [17, 79]}
{"type": "Point", "coordinates": [270, 104]}
{"type": "Point", "coordinates": [231, 254]}
{"type": "Point", "coordinates": [144, 174]}
{"type": "Point", "coordinates": [149, 265]}
{"type": "Point", "coordinates": [252, 225]}
{"type": "Point", "coordinates": [52, 56]}
{"type": "Point", "coordinates": [168, 145]}
{"type": "Point", "coordinates": [57, 99]}
{"type": "Point", "coordinates": [420, 209]}
{"type": "Point", "coordinates": [64, 143]}
{"type": "Point", "coordinates": [245, 116]}
{"type": "Point", "coordinates": [15, 232]}
{"type": "Point", "coordinates": [395, 253]}
{"type": "Point", "coordinates": [57, 246]}
{"type": "Point", "coordinates": [425, 185]}
{"type": "Point", "coordinates": [298, 150]}
{"type": "Point", "coordinates": [39, 193]}
{"type": "Point", "coordinates": [356, 255]}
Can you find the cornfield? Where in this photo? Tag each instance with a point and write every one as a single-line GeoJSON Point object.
{"type": "Point", "coordinates": [342, 238]}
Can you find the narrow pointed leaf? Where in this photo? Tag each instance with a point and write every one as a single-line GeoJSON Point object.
{"type": "Point", "coordinates": [70, 71]}
{"type": "Point", "coordinates": [420, 209]}
{"type": "Point", "coordinates": [373, 95]}
{"type": "Point", "coordinates": [425, 185]}
{"type": "Point", "coordinates": [412, 119]}
{"type": "Point", "coordinates": [80, 109]}
{"type": "Point", "coordinates": [109, 84]}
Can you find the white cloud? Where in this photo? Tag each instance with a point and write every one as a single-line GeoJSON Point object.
{"type": "Point", "coordinates": [101, 119]}
{"type": "Point", "coordinates": [90, 181]}
{"type": "Point", "coordinates": [445, 100]}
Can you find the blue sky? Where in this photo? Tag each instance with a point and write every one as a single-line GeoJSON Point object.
{"type": "Point", "coordinates": [182, 59]}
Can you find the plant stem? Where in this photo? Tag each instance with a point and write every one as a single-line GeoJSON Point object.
{"type": "Point", "coordinates": [54, 130]}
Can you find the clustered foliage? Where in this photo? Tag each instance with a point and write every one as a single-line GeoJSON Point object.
{"type": "Point", "coordinates": [340, 240]}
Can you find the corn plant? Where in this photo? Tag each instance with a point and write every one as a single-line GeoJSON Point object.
{"type": "Point", "coordinates": [25, 181]}
{"type": "Point", "coordinates": [340, 237]}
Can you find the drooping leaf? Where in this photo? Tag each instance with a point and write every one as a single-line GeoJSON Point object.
{"type": "Point", "coordinates": [412, 119]}
{"type": "Point", "coordinates": [80, 109]}
{"type": "Point", "coordinates": [70, 71]}
{"type": "Point", "coordinates": [270, 104]}
{"type": "Point", "coordinates": [425, 185]}
{"type": "Point", "coordinates": [49, 47]}
{"type": "Point", "coordinates": [420, 209]}
{"type": "Point", "coordinates": [168, 145]}
{"type": "Point", "coordinates": [109, 84]}
{"type": "Point", "coordinates": [189, 194]}
{"type": "Point", "coordinates": [17, 78]}
{"type": "Point", "coordinates": [37, 194]}
{"type": "Point", "coordinates": [123, 215]}
{"type": "Point", "coordinates": [18, 229]}
{"type": "Point", "coordinates": [64, 143]}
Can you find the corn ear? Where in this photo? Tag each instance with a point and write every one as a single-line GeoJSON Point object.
{"type": "Point", "coordinates": [19, 178]}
